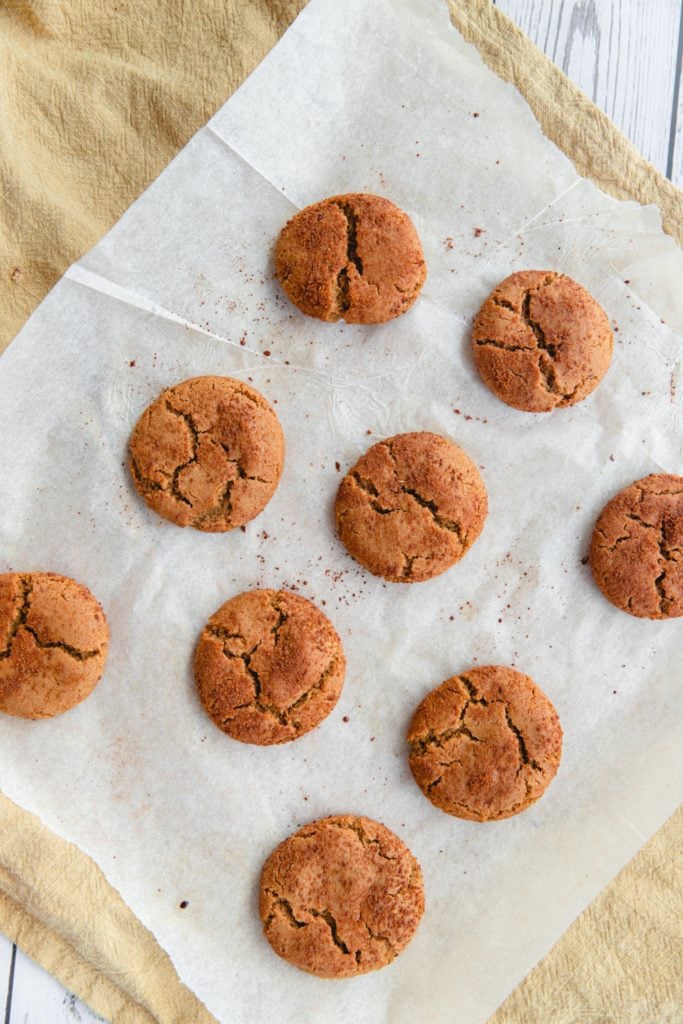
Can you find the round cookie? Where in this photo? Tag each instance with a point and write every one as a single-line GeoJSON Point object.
{"type": "Point", "coordinates": [207, 453]}
{"type": "Point", "coordinates": [636, 551]}
{"type": "Point", "coordinates": [411, 507]}
{"type": "Point", "coordinates": [341, 897]}
{"type": "Point", "coordinates": [485, 744]}
{"type": "Point", "coordinates": [269, 667]}
{"type": "Point", "coordinates": [53, 644]}
{"type": "Point", "coordinates": [354, 257]}
{"type": "Point", "coordinates": [541, 342]}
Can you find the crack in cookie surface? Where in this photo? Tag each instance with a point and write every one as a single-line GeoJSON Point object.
{"type": "Point", "coordinates": [352, 257]}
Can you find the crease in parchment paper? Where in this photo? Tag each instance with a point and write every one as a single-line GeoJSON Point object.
{"type": "Point", "coordinates": [171, 809]}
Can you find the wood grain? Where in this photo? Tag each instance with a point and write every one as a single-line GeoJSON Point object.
{"type": "Point", "coordinates": [621, 53]}
{"type": "Point", "coordinates": [38, 998]}
{"type": "Point", "coordinates": [6, 970]}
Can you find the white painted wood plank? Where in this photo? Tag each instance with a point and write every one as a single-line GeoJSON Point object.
{"type": "Point", "coordinates": [5, 969]}
{"type": "Point", "coordinates": [38, 998]}
{"type": "Point", "coordinates": [622, 53]}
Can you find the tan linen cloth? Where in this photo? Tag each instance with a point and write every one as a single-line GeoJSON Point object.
{"type": "Point", "coordinates": [97, 96]}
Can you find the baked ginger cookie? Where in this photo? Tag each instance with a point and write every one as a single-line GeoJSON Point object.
{"type": "Point", "coordinates": [207, 453]}
{"type": "Point", "coordinates": [269, 666]}
{"type": "Point", "coordinates": [541, 342]}
{"type": "Point", "coordinates": [53, 644]}
{"type": "Point", "coordinates": [636, 552]}
{"type": "Point", "coordinates": [341, 897]}
{"type": "Point", "coordinates": [354, 257]}
{"type": "Point", "coordinates": [485, 744]}
{"type": "Point", "coordinates": [411, 507]}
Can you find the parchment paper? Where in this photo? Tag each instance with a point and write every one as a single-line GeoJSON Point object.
{"type": "Point", "coordinates": [386, 98]}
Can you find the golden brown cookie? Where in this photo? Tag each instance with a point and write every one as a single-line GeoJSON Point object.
{"type": "Point", "coordinates": [208, 453]}
{"type": "Point", "coordinates": [269, 666]}
{"type": "Point", "coordinates": [53, 644]}
{"type": "Point", "coordinates": [341, 897]}
{"type": "Point", "coordinates": [485, 744]}
{"type": "Point", "coordinates": [541, 342]}
{"type": "Point", "coordinates": [636, 550]}
{"type": "Point", "coordinates": [411, 507]}
{"type": "Point", "coordinates": [354, 257]}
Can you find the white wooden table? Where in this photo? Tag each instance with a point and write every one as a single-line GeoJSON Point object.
{"type": "Point", "coordinates": [626, 56]}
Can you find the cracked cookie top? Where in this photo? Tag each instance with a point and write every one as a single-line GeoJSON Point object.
{"type": "Point", "coordinates": [354, 257]}
{"type": "Point", "coordinates": [53, 644]}
{"type": "Point", "coordinates": [411, 507]}
{"type": "Point", "coordinates": [636, 551]}
{"type": "Point", "coordinates": [207, 453]}
{"type": "Point", "coordinates": [541, 342]}
{"type": "Point", "coordinates": [269, 666]}
{"type": "Point", "coordinates": [485, 744]}
{"type": "Point", "coordinates": [341, 897]}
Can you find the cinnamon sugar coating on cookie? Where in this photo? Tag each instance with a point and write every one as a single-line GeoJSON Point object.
{"type": "Point", "coordinates": [341, 897]}
{"type": "Point", "coordinates": [541, 342]}
{"type": "Point", "coordinates": [354, 257]}
{"type": "Point", "coordinates": [636, 552]}
{"type": "Point", "coordinates": [208, 453]}
{"type": "Point", "coordinates": [269, 666]}
{"type": "Point", "coordinates": [411, 507]}
{"type": "Point", "coordinates": [53, 644]}
{"type": "Point", "coordinates": [485, 744]}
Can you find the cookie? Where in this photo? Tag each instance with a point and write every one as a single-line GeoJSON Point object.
{"type": "Point", "coordinates": [541, 342]}
{"type": "Point", "coordinates": [207, 453]}
{"type": "Point", "coordinates": [354, 257]}
{"type": "Point", "coordinates": [269, 667]}
{"type": "Point", "coordinates": [636, 552]}
{"type": "Point", "coordinates": [485, 744]}
{"type": "Point", "coordinates": [341, 897]}
{"type": "Point", "coordinates": [53, 644]}
{"type": "Point", "coordinates": [411, 507]}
